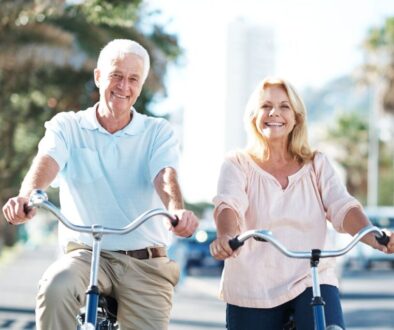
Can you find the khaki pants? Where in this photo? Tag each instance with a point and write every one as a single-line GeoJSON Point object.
{"type": "Point", "coordinates": [143, 289]}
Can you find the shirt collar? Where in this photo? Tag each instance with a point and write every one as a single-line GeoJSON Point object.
{"type": "Point", "coordinates": [88, 120]}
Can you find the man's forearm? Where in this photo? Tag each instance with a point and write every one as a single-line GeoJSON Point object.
{"type": "Point", "coordinates": [41, 173]}
{"type": "Point", "coordinates": [167, 186]}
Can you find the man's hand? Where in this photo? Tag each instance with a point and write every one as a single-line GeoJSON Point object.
{"type": "Point", "coordinates": [187, 224]}
{"type": "Point", "coordinates": [14, 210]}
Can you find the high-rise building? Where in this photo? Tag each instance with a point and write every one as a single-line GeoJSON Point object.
{"type": "Point", "coordinates": [250, 57]}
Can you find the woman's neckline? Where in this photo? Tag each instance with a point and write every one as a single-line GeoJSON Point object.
{"type": "Point", "coordinates": [291, 177]}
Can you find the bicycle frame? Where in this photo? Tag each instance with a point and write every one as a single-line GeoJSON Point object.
{"type": "Point", "coordinates": [314, 256]}
{"type": "Point", "coordinates": [39, 199]}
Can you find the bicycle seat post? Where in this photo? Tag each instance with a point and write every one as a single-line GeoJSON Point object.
{"type": "Point", "coordinates": [317, 300]}
{"type": "Point", "coordinates": [92, 295]}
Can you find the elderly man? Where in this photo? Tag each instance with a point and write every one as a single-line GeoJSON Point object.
{"type": "Point", "coordinates": [111, 164]}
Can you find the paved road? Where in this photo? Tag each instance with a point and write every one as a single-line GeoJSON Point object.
{"type": "Point", "coordinates": [368, 298]}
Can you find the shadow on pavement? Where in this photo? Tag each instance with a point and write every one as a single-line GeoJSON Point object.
{"type": "Point", "coordinates": [16, 310]}
{"type": "Point", "coordinates": [366, 296]}
{"type": "Point", "coordinates": [202, 324]}
{"type": "Point", "coordinates": [371, 319]}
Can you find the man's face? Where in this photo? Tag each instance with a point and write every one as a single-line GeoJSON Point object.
{"type": "Point", "coordinates": [120, 83]}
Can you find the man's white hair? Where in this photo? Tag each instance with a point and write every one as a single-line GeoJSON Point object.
{"type": "Point", "coordinates": [117, 48]}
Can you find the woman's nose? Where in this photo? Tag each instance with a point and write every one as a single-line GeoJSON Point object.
{"type": "Point", "coordinates": [273, 112]}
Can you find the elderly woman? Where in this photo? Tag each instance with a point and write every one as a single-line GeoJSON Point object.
{"type": "Point", "coordinates": [278, 183]}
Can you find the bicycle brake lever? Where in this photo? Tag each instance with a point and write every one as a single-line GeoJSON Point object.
{"type": "Point", "coordinates": [383, 239]}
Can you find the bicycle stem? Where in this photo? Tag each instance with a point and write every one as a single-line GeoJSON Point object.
{"type": "Point", "coordinates": [92, 295]}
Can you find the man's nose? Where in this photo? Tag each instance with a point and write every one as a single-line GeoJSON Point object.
{"type": "Point", "coordinates": [123, 83]}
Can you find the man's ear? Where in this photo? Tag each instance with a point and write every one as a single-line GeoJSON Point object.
{"type": "Point", "coordinates": [97, 77]}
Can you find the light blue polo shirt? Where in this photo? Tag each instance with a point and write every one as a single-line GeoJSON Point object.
{"type": "Point", "coordinates": [108, 178]}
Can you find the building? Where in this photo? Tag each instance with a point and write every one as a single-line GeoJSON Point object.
{"type": "Point", "coordinates": [250, 57]}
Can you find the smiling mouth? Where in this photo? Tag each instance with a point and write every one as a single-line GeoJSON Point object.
{"type": "Point", "coordinates": [274, 124]}
{"type": "Point", "coordinates": [122, 97]}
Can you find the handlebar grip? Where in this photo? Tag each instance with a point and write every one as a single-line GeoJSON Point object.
{"type": "Point", "coordinates": [174, 221]}
{"type": "Point", "coordinates": [27, 208]}
{"type": "Point", "coordinates": [235, 243]}
{"type": "Point", "coordinates": [383, 239]}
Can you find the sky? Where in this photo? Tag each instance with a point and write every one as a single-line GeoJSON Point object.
{"type": "Point", "coordinates": [315, 41]}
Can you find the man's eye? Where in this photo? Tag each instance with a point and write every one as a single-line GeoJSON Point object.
{"type": "Point", "coordinates": [116, 76]}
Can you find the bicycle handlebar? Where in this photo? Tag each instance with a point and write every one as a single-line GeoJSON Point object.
{"type": "Point", "coordinates": [39, 198]}
{"type": "Point", "coordinates": [266, 236]}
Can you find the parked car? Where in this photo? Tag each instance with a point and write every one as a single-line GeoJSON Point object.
{"type": "Point", "coordinates": [363, 256]}
{"type": "Point", "coordinates": [198, 254]}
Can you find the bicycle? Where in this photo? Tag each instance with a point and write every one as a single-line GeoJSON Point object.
{"type": "Point", "coordinates": [100, 311]}
{"type": "Point", "coordinates": [314, 256]}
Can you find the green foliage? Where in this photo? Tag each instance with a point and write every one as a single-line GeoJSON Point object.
{"type": "Point", "coordinates": [350, 136]}
{"type": "Point", "coordinates": [379, 37]}
{"type": "Point", "coordinates": [121, 13]}
{"type": "Point", "coordinates": [199, 208]}
{"type": "Point", "coordinates": [386, 174]}
{"type": "Point", "coordinates": [378, 69]}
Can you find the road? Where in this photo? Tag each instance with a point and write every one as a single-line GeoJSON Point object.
{"type": "Point", "coordinates": [368, 297]}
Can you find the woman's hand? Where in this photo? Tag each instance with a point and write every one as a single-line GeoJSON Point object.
{"type": "Point", "coordinates": [372, 241]}
{"type": "Point", "coordinates": [220, 248]}
{"type": "Point", "coordinates": [389, 248]}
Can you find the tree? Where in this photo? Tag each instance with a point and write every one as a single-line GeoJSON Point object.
{"type": "Point", "coordinates": [350, 134]}
{"type": "Point", "coordinates": [378, 71]}
{"type": "Point", "coordinates": [47, 56]}
{"type": "Point", "coordinates": [379, 64]}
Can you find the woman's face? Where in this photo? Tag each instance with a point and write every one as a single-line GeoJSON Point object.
{"type": "Point", "coordinates": [275, 118]}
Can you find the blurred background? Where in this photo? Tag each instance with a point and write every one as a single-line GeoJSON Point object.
{"type": "Point", "coordinates": [207, 57]}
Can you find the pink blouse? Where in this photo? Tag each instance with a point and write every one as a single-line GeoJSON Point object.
{"type": "Point", "coordinates": [260, 276]}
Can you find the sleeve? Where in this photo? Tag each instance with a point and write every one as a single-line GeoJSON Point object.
{"type": "Point", "coordinates": [336, 199]}
{"type": "Point", "coordinates": [231, 190]}
{"type": "Point", "coordinates": [165, 150]}
{"type": "Point", "coordinates": [54, 143]}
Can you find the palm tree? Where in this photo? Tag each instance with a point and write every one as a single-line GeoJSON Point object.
{"type": "Point", "coordinates": [379, 71]}
{"type": "Point", "coordinates": [379, 64]}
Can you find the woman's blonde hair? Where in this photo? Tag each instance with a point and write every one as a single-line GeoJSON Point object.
{"type": "Point", "coordinates": [298, 145]}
